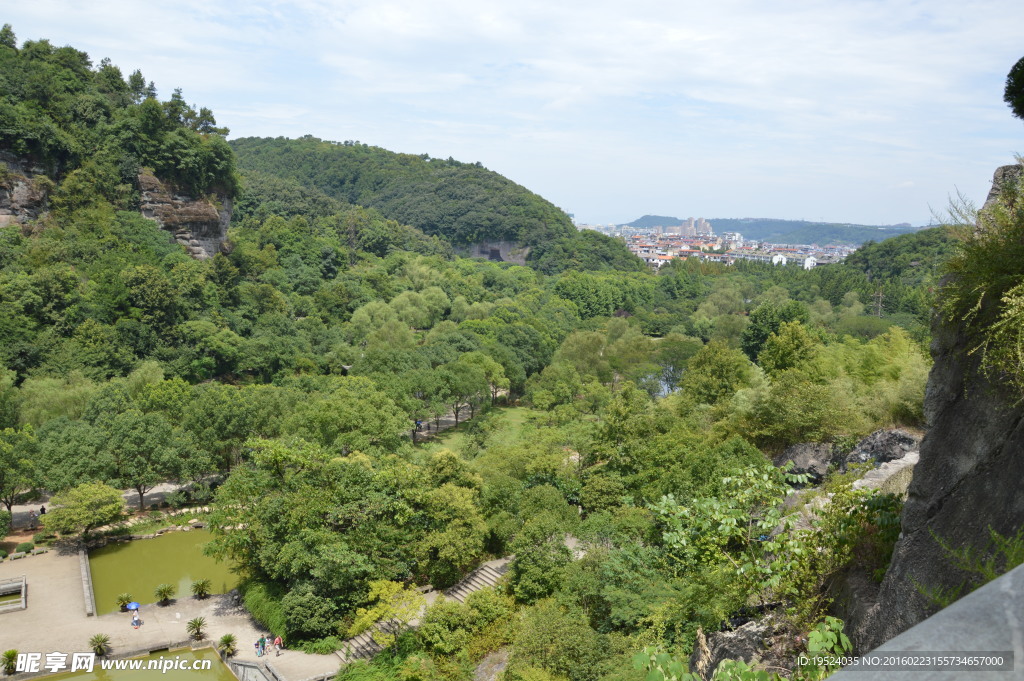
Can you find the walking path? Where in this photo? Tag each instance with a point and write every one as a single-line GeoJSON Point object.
{"type": "Point", "coordinates": [55, 619]}
{"type": "Point", "coordinates": [363, 647]}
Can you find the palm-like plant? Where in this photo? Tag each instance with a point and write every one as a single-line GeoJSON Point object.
{"type": "Point", "coordinates": [100, 644]}
{"type": "Point", "coordinates": [164, 593]}
{"type": "Point", "coordinates": [195, 627]}
{"type": "Point", "coordinates": [201, 588]}
{"type": "Point", "coordinates": [9, 661]}
{"type": "Point", "coordinates": [123, 600]}
{"type": "Point", "coordinates": [227, 645]}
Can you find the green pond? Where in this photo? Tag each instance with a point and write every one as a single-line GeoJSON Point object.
{"type": "Point", "coordinates": [10, 598]}
{"type": "Point", "coordinates": [218, 671]}
{"type": "Point", "coordinates": [138, 567]}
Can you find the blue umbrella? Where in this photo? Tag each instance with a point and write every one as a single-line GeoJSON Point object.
{"type": "Point", "coordinates": [132, 606]}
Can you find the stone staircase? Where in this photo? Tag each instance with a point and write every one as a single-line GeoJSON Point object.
{"type": "Point", "coordinates": [363, 647]}
{"type": "Point", "coordinates": [483, 577]}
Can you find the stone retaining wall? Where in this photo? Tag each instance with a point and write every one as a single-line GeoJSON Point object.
{"type": "Point", "coordinates": [90, 598]}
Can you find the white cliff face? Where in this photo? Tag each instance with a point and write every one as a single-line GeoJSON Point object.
{"type": "Point", "coordinates": [198, 224]}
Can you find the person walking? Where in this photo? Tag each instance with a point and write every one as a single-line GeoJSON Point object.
{"type": "Point", "coordinates": [277, 646]}
{"type": "Point", "coordinates": [263, 645]}
{"type": "Point", "coordinates": [136, 622]}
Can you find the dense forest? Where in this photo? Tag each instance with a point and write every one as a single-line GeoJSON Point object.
{"type": "Point", "coordinates": [461, 203]}
{"type": "Point", "coordinates": [617, 424]}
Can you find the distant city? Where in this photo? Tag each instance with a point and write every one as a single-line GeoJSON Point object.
{"type": "Point", "coordinates": [696, 238]}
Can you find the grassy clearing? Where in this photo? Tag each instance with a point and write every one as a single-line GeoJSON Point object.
{"type": "Point", "coordinates": [509, 422]}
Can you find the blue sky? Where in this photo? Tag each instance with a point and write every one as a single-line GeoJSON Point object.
{"type": "Point", "coordinates": [869, 111]}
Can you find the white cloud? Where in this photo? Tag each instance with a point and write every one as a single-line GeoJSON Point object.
{"type": "Point", "coordinates": [864, 110]}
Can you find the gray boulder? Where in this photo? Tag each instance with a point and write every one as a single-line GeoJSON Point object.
{"type": "Point", "coordinates": [883, 446]}
{"type": "Point", "coordinates": [810, 458]}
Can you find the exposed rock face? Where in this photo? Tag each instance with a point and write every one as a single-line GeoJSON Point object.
{"type": "Point", "coordinates": [197, 224]}
{"type": "Point", "coordinates": [968, 480]}
{"type": "Point", "coordinates": [810, 458]}
{"type": "Point", "coordinates": [500, 251]}
{"type": "Point", "coordinates": [883, 446]}
{"type": "Point", "coordinates": [23, 191]}
{"type": "Point", "coordinates": [757, 642]}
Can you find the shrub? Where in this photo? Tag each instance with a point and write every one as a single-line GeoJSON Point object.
{"type": "Point", "coordinates": [202, 493]}
{"type": "Point", "coordinates": [100, 644]}
{"type": "Point", "coordinates": [227, 645]}
{"type": "Point", "coordinates": [3, 554]}
{"type": "Point", "coordinates": [201, 588]}
{"type": "Point", "coordinates": [43, 537]}
{"type": "Point", "coordinates": [195, 627]}
{"type": "Point", "coordinates": [177, 499]}
{"type": "Point", "coordinates": [308, 615]}
{"type": "Point", "coordinates": [25, 547]}
{"type": "Point", "coordinates": [9, 661]}
{"type": "Point", "coordinates": [164, 593]}
{"type": "Point", "coordinates": [323, 646]}
{"type": "Point", "coordinates": [123, 600]}
{"type": "Point", "coordinates": [984, 298]}
{"type": "Point", "coordinates": [264, 603]}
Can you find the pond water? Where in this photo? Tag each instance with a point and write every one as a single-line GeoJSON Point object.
{"type": "Point", "coordinates": [218, 671]}
{"type": "Point", "coordinates": [138, 567]}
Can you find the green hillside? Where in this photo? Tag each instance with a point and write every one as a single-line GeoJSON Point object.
{"type": "Point", "coordinates": [90, 127]}
{"type": "Point", "coordinates": [462, 203]}
{"type": "Point", "coordinates": [804, 232]}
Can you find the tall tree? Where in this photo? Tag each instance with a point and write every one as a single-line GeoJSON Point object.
{"type": "Point", "coordinates": [17, 471]}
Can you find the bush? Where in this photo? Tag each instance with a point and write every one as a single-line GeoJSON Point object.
{"type": "Point", "coordinates": [264, 602]}
{"type": "Point", "coordinates": [308, 615]}
{"type": "Point", "coordinates": [177, 499]}
{"type": "Point", "coordinates": [227, 645]}
{"type": "Point", "coordinates": [202, 493]}
{"type": "Point", "coordinates": [195, 627]}
{"type": "Point", "coordinates": [201, 588]}
{"type": "Point", "coordinates": [164, 593]}
{"type": "Point", "coordinates": [9, 661]}
{"type": "Point", "coordinates": [25, 547]}
{"type": "Point", "coordinates": [100, 644]}
{"type": "Point", "coordinates": [43, 537]}
{"type": "Point", "coordinates": [3, 554]}
{"type": "Point", "coordinates": [323, 646]}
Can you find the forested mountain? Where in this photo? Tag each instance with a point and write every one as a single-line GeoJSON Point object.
{"type": "Point", "coordinates": [461, 203]}
{"type": "Point", "coordinates": [93, 130]}
{"type": "Point", "coordinates": [621, 421]}
{"type": "Point", "coordinates": [787, 231]}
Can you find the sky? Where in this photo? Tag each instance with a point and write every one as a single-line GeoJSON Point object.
{"type": "Point", "coordinates": [863, 111]}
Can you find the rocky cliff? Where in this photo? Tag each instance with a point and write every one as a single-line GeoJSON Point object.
{"type": "Point", "coordinates": [200, 225]}
{"type": "Point", "coordinates": [23, 191]}
{"type": "Point", "coordinates": [968, 481]}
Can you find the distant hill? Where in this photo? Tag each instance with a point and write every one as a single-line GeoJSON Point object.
{"type": "Point", "coordinates": [462, 203]}
{"type": "Point", "coordinates": [913, 259]}
{"type": "Point", "coordinates": [788, 231]}
{"type": "Point", "coordinates": [648, 221]}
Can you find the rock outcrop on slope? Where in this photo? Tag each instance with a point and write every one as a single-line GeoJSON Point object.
{"type": "Point", "coordinates": [23, 191]}
{"type": "Point", "coordinates": [968, 481]}
{"type": "Point", "coordinates": [200, 225]}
